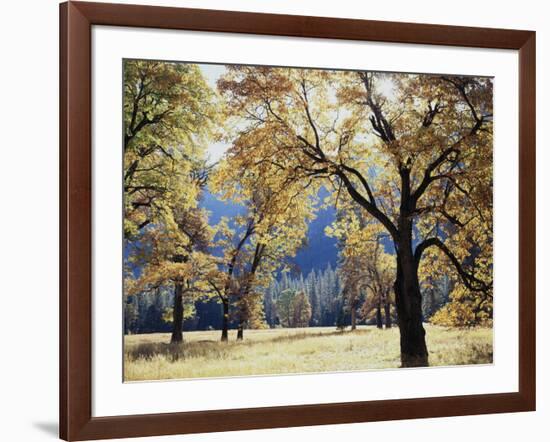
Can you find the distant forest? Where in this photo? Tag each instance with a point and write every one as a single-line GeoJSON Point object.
{"type": "Point", "coordinates": [150, 312]}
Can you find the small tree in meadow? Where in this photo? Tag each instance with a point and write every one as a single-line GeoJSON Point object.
{"type": "Point", "coordinates": [301, 308]}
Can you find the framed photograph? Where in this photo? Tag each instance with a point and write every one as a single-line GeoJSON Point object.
{"type": "Point", "coordinates": [272, 221]}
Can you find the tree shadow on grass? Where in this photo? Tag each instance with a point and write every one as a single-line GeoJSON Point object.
{"type": "Point", "coordinates": [305, 335]}
{"type": "Point", "coordinates": [175, 352]}
{"type": "Point", "coordinates": [215, 349]}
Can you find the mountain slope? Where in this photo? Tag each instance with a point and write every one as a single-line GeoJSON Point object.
{"type": "Point", "coordinates": [319, 250]}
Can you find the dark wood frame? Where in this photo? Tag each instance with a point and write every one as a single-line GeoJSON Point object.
{"type": "Point", "coordinates": [76, 421]}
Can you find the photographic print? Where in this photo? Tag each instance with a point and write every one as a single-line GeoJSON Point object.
{"type": "Point", "coordinates": [283, 220]}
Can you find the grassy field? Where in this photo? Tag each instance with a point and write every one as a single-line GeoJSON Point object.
{"type": "Point", "coordinates": [301, 350]}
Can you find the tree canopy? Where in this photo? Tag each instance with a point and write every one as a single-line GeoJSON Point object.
{"type": "Point", "coordinates": [413, 151]}
{"type": "Point", "coordinates": [405, 160]}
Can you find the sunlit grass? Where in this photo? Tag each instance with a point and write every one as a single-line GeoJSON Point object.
{"type": "Point", "coordinates": [279, 351]}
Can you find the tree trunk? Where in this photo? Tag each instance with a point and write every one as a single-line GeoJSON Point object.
{"type": "Point", "coordinates": [242, 320]}
{"type": "Point", "coordinates": [353, 316]}
{"type": "Point", "coordinates": [244, 311]}
{"type": "Point", "coordinates": [177, 319]}
{"type": "Point", "coordinates": [387, 313]}
{"type": "Point", "coordinates": [225, 320]}
{"type": "Point", "coordinates": [379, 315]}
{"type": "Point", "coordinates": [408, 300]}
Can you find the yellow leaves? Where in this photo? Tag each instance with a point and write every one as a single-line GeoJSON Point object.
{"type": "Point", "coordinates": [169, 112]}
{"type": "Point", "coordinates": [190, 273]}
{"type": "Point", "coordinates": [454, 315]}
{"type": "Point", "coordinates": [466, 309]}
{"type": "Point", "coordinates": [333, 231]}
{"type": "Point", "coordinates": [292, 132]}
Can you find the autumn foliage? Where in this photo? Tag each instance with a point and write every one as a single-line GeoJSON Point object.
{"type": "Point", "coordinates": [406, 160]}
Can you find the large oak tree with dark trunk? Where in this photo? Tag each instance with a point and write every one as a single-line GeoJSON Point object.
{"type": "Point", "coordinates": [169, 113]}
{"type": "Point", "coordinates": [414, 152]}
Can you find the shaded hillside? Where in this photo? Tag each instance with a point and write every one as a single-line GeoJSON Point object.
{"type": "Point", "coordinates": [319, 251]}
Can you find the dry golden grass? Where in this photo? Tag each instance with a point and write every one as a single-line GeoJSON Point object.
{"type": "Point", "coordinates": [279, 351]}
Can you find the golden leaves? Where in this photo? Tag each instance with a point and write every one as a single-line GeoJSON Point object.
{"type": "Point", "coordinates": [389, 148]}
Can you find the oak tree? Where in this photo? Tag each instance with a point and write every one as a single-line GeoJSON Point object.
{"type": "Point", "coordinates": [260, 241]}
{"type": "Point", "coordinates": [169, 114]}
{"type": "Point", "coordinates": [414, 152]}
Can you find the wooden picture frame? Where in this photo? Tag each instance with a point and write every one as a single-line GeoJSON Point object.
{"type": "Point", "coordinates": [76, 21]}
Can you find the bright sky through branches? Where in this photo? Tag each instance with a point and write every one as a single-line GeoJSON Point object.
{"type": "Point", "coordinates": [212, 72]}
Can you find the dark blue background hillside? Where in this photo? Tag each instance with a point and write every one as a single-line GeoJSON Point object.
{"type": "Point", "coordinates": [319, 251]}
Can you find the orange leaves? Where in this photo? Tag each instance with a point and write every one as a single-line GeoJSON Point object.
{"type": "Point", "coordinates": [395, 151]}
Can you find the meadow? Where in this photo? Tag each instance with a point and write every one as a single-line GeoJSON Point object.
{"type": "Point", "coordinates": [294, 350]}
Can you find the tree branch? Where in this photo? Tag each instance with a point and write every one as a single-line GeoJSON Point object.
{"type": "Point", "coordinates": [428, 178]}
{"type": "Point", "coordinates": [470, 281]}
{"type": "Point", "coordinates": [372, 209]}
